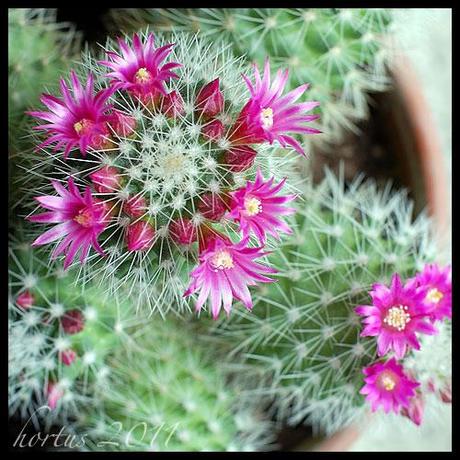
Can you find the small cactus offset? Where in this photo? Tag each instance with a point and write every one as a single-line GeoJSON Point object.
{"type": "Point", "coordinates": [341, 52]}
{"type": "Point", "coordinates": [304, 342]}
{"type": "Point", "coordinates": [167, 394]}
{"type": "Point", "coordinates": [153, 166]}
{"type": "Point", "coordinates": [59, 338]}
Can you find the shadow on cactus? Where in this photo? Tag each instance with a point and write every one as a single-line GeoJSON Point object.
{"type": "Point", "coordinates": [59, 339]}
{"type": "Point", "coordinates": [343, 53]}
{"type": "Point", "coordinates": [169, 395]}
{"type": "Point", "coordinates": [151, 152]}
{"type": "Point", "coordinates": [303, 348]}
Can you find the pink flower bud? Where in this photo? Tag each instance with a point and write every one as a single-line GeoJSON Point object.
{"type": "Point", "coordinates": [213, 130]}
{"type": "Point", "coordinates": [140, 236]}
{"type": "Point", "coordinates": [54, 394]}
{"type": "Point", "coordinates": [25, 300]}
{"type": "Point", "coordinates": [212, 206]}
{"type": "Point", "coordinates": [445, 393]}
{"type": "Point", "coordinates": [72, 321]}
{"type": "Point", "coordinates": [173, 104]}
{"type": "Point", "coordinates": [415, 410]}
{"type": "Point", "coordinates": [182, 231]}
{"type": "Point", "coordinates": [123, 124]}
{"type": "Point", "coordinates": [106, 179]}
{"type": "Point", "coordinates": [67, 357]}
{"type": "Point", "coordinates": [239, 159]}
{"type": "Point", "coordinates": [210, 100]}
{"type": "Point", "coordinates": [135, 206]}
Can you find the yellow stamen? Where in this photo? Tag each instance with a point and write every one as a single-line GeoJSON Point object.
{"type": "Point", "coordinates": [142, 75]}
{"type": "Point", "coordinates": [388, 382]}
{"type": "Point", "coordinates": [82, 125]}
{"type": "Point", "coordinates": [434, 295]}
{"type": "Point", "coordinates": [397, 317]}
{"type": "Point", "coordinates": [266, 117]}
{"type": "Point", "coordinates": [222, 260]}
{"type": "Point", "coordinates": [84, 218]}
{"type": "Point", "coordinates": [253, 206]}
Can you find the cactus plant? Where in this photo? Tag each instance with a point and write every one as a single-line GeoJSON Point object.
{"type": "Point", "coordinates": [341, 52]}
{"type": "Point", "coordinates": [301, 346]}
{"type": "Point", "coordinates": [160, 166]}
{"type": "Point", "coordinates": [167, 394]}
{"type": "Point", "coordinates": [59, 337]}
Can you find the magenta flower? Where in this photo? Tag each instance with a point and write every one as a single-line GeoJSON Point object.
{"type": "Point", "coordinates": [81, 220]}
{"type": "Point", "coordinates": [140, 236]}
{"type": "Point", "coordinates": [67, 357]}
{"type": "Point", "coordinates": [395, 317]}
{"type": "Point", "coordinates": [415, 410]}
{"type": "Point", "coordinates": [135, 206]}
{"type": "Point", "coordinates": [138, 70]}
{"type": "Point", "coordinates": [239, 158]}
{"type": "Point", "coordinates": [210, 100]}
{"type": "Point", "coordinates": [183, 231]}
{"type": "Point", "coordinates": [256, 208]}
{"type": "Point", "coordinates": [73, 322]}
{"type": "Point", "coordinates": [225, 272]}
{"type": "Point", "coordinates": [123, 124]}
{"type": "Point", "coordinates": [80, 120]}
{"type": "Point", "coordinates": [25, 300]}
{"type": "Point", "coordinates": [213, 130]}
{"type": "Point", "coordinates": [387, 385]}
{"type": "Point", "coordinates": [268, 116]}
{"type": "Point", "coordinates": [173, 104]}
{"type": "Point", "coordinates": [106, 179]}
{"type": "Point", "coordinates": [437, 282]}
{"type": "Point", "coordinates": [54, 393]}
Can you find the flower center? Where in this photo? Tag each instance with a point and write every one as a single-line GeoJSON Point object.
{"type": "Point", "coordinates": [387, 381]}
{"type": "Point", "coordinates": [84, 218]}
{"type": "Point", "coordinates": [397, 317]}
{"type": "Point", "coordinates": [266, 117]}
{"type": "Point", "coordinates": [252, 206]}
{"type": "Point", "coordinates": [434, 295]}
{"type": "Point", "coordinates": [222, 260]}
{"type": "Point", "coordinates": [142, 75]}
{"type": "Point", "coordinates": [83, 126]}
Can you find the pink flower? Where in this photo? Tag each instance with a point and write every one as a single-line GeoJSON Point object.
{"type": "Point", "coordinates": [123, 124]}
{"type": "Point", "coordinates": [81, 220]}
{"type": "Point", "coordinates": [67, 357]}
{"type": "Point", "coordinates": [54, 394]}
{"type": "Point", "coordinates": [138, 69]}
{"type": "Point", "coordinates": [80, 120]}
{"type": "Point", "coordinates": [445, 392]}
{"type": "Point", "coordinates": [140, 236]}
{"type": "Point", "coordinates": [414, 411]}
{"type": "Point", "coordinates": [225, 272]}
{"type": "Point", "coordinates": [106, 179]}
{"type": "Point", "coordinates": [387, 385]}
{"type": "Point", "coordinates": [256, 208]}
{"type": "Point", "coordinates": [25, 300]}
{"type": "Point", "coordinates": [212, 206]}
{"type": "Point", "coordinates": [173, 104]}
{"type": "Point", "coordinates": [395, 317]}
{"type": "Point", "coordinates": [239, 158]}
{"type": "Point", "coordinates": [438, 284]}
{"type": "Point", "coordinates": [73, 321]}
{"type": "Point", "coordinates": [268, 116]}
{"type": "Point", "coordinates": [135, 206]}
{"type": "Point", "coordinates": [210, 100]}
{"type": "Point", "coordinates": [182, 231]}
{"type": "Point", "coordinates": [213, 130]}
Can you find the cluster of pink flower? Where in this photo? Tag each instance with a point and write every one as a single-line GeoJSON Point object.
{"type": "Point", "coordinates": [86, 121]}
{"type": "Point", "coordinates": [71, 322]}
{"type": "Point", "coordinates": [397, 314]}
